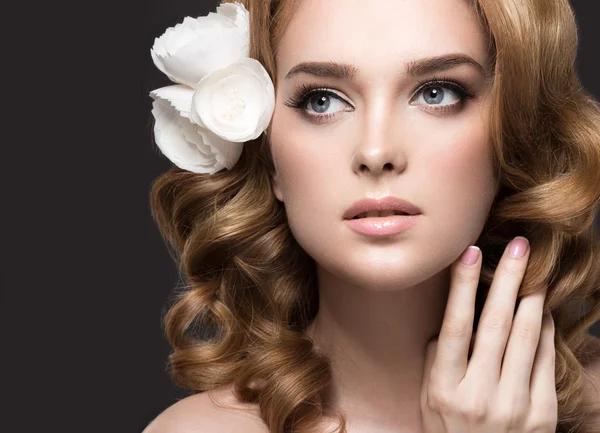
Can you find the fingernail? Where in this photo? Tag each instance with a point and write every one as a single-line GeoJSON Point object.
{"type": "Point", "coordinates": [470, 256]}
{"type": "Point", "coordinates": [518, 246]}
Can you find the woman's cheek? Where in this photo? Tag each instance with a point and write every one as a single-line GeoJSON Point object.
{"type": "Point", "coordinates": [308, 159]}
{"type": "Point", "coordinates": [464, 177]}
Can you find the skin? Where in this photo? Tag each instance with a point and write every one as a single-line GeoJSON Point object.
{"type": "Point", "coordinates": [381, 301]}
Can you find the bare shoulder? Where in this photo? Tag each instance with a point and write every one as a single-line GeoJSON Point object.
{"type": "Point", "coordinates": [209, 412]}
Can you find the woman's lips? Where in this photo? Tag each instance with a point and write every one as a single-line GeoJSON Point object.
{"type": "Point", "coordinates": [382, 226]}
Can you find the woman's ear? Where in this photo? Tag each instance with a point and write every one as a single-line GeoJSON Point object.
{"type": "Point", "coordinates": [276, 186]}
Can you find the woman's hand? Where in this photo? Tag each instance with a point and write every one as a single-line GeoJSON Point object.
{"type": "Point", "coordinates": [502, 388]}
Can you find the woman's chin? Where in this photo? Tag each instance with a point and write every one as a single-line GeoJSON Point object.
{"type": "Point", "coordinates": [382, 275]}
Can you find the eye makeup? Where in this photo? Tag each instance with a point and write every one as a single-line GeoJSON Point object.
{"type": "Point", "coordinates": [303, 97]}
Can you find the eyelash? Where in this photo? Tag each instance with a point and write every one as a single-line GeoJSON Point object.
{"type": "Point", "coordinates": [306, 91]}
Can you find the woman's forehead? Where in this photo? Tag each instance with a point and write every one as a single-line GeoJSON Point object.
{"type": "Point", "coordinates": [389, 32]}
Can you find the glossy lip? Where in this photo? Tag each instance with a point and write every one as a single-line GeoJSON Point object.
{"type": "Point", "coordinates": [382, 226]}
{"type": "Point", "coordinates": [384, 203]}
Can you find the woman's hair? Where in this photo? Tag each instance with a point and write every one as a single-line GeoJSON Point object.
{"type": "Point", "coordinates": [250, 290]}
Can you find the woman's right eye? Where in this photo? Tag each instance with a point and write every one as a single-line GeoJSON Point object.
{"type": "Point", "coordinates": [322, 102]}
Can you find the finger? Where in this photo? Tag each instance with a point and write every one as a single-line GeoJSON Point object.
{"type": "Point", "coordinates": [457, 326]}
{"type": "Point", "coordinates": [542, 387]}
{"type": "Point", "coordinates": [521, 348]}
{"type": "Point", "coordinates": [497, 315]}
{"type": "Point", "coordinates": [427, 365]}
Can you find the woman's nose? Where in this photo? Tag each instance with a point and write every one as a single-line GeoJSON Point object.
{"type": "Point", "coordinates": [380, 147]}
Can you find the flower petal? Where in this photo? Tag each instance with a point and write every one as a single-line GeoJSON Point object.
{"type": "Point", "coordinates": [172, 132]}
{"type": "Point", "coordinates": [197, 46]}
{"type": "Point", "coordinates": [228, 10]}
{"type": "Point", "coordinates": [179, 96]}
{"type": "Point", "coordinates": [211, 50]}
{"type": "Point", "coordinates": [236, 12]}
{"type": "Point", "coordinates": [227, 153]}
{"type": "Point", "coordinates": [161, 67]}
{"type": "Point", "coordinates": [237, 102]}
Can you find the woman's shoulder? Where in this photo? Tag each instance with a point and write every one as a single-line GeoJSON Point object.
{"type": "Point", "coordinates": [218, 410]}
{"type": "Point", "coordinates": [211, 411]}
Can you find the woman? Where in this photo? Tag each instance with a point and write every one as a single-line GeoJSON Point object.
{"type": "Point", "coordinates": [465, 115]}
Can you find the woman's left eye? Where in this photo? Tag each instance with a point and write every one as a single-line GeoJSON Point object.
{"type": "Point", "coordinates": [320, 100]}
{"type": "Point", "coordinates": [434, 94]}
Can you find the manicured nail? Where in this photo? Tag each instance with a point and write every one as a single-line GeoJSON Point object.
{"type": "Point", "coordinates": [518, 246]}
{"type": "Point", "coordinates": [470, 256]}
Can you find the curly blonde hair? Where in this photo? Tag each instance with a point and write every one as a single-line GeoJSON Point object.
{"type": "Point", "coordinates": [250, 290]}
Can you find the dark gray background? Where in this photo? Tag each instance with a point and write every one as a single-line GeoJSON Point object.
{"type": "Point", "coordinates": [85, 275]}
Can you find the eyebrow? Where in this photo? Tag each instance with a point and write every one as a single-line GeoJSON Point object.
{"type": "Point", "coordinates": [414, 68]}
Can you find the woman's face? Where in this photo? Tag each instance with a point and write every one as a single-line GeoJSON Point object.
{"type": "Point", "coordinates": [382, 134]}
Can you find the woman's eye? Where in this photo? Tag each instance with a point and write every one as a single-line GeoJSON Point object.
{"type": "Point", "coordinates": [320, 105]}
{"type": "Point", "coordinates": [440, 95]}
{"type": "Point", "coordinates": [321, 102]}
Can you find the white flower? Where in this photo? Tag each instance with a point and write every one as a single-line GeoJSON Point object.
{"type": "Point", "coordinates": [186, 144]}
{"type": "Point", "coordinates": [224, 98]}
{"type": "Point", "coordinates": [236, 102]}
{"type": "Point", "coordinates": [196, 47]}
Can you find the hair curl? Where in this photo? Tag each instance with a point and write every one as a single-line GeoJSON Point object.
{"type": "Point", "coordinates": [251, 290]}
